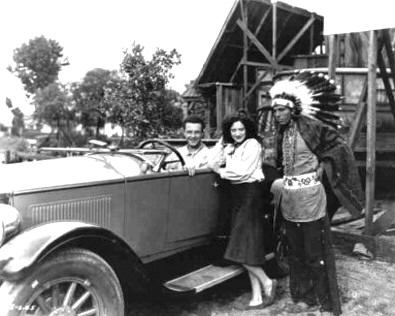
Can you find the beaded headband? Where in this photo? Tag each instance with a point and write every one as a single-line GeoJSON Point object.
{"type": "Point", "coordinates": [284, 102]}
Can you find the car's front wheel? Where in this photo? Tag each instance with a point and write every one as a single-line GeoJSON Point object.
{"type": "Point", "coordinates": [70, 282]}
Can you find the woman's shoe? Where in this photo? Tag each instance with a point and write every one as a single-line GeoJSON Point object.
{"type": "Point", "coordinates": [256, 307]}
{"type": "Point", "coordinates": [272, 293]}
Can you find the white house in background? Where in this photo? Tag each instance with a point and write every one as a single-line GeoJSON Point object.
{"type": "Point", "coordinates": [109, 130]}
{"type": "Point", "coordinates": [112, 130]}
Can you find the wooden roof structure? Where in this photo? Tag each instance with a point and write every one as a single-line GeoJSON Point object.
{"type": "Point", "coordinates": [260, 34]}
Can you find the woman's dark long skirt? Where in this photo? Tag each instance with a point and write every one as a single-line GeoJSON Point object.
{"type": "Point", "coordinates": [246, 244]}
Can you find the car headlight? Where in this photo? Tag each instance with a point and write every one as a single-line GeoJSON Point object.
{"type": "Point", "coordinates": [10, 221]}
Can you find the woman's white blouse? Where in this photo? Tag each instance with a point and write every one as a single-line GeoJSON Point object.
{"type": "Point", "coordinates": [244, 163]}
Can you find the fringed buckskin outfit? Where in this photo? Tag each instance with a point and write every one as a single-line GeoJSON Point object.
{"type": "Point", "coordinates": [307, 202]}
{"type": "Point", "coordinates": [312, 263]}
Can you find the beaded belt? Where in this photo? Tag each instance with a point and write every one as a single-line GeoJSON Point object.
{"type": "Point", "coordinates": [302, 181]}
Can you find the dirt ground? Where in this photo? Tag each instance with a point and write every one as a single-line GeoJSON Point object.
{"type": "Point", "coordinates": [367, 288]}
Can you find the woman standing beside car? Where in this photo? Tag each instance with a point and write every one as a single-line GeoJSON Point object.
{"type": "Point", "coordinates": [243, 168]}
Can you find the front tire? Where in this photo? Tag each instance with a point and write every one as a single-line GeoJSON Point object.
{"type": "Point", "coordinates": [70, 282]}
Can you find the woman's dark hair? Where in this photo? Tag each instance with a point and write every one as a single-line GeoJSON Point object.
{"type": "Point", "coordinates": [249, 124]}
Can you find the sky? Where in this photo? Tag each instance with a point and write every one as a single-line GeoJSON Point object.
{"type": "Point", "coordinates": [94, 34]}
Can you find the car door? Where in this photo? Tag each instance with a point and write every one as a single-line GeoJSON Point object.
{"type": "Point", "coordinates": [147, 200]}
{"type": "Point", "coordinates": [193, 208]}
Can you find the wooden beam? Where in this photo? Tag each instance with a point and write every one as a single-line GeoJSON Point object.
{"type": "Point", "coordinates": [257, 64]}
{"type": "Point", "coordinates": [384, 222]}
{"type": "Point", "coordinates": [333, 55]}
{"type": "Point", "coordinates": [359, 117]}
{"type": "Point", "coordinates": [207, 115]}
{"type": "Point", "coordinates": [296, 38]}
{"type": "Point", "coordinates": [274, 30]}
{"type": "Point", "coordinates": [244, 15]}
{"type": "Point", "coordinates": [211, 84]}
{"type": "Point", "coordinates": [387, 84]}
{"type": "Point", "coordinates": [371, 132]}
{"type": "Point", "coordinates": [386, 38]}
{"type": "Point", "coordinates": [257, 30]}
{"type": "Point", "coordinates": [389, 51]}
{"type": "Point", "coordinates": [235, 46]}
{"type": "Point", "coordinates": [219, 107]}
{"type": "Point", "coordinates": [256, 85]}
{"type": "Point", "coordinates": [311, 48]}
{"type": "Point", "coordinates": [258, 44]}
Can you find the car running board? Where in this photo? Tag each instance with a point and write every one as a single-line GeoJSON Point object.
{"type": "Point", "coordinates": [203, 278]}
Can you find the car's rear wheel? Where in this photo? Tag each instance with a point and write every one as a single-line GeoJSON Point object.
{"type": "Point", "coordinates": [71, 282]}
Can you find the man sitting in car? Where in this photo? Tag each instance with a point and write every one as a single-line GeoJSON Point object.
{"type": "Point", "coordinates": [195, 153]}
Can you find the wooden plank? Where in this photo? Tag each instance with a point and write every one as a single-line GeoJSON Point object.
{"type": "Point", "coordinates": [384, 77]}
{"type": "Point", "coordinates": [333, 55]}
{"type": "Point", "coordinates": [219, 107]}
{"type": "Point", "coordinates": [386, 39]}
{"type": "Point", "coordinates": [385, 143]}
{"type": "Point", "coordinates": [358, 224]}
{"type": "Point", "coordinates": [311, 40]}
{"type": "Point", "coordinates": [207, 115]}
{"type": "Point", "coordinates": [389, 51]}
{"type": "Point", "coordinates": [255, 86]}
{"type": "Point", "coordinates": [244, 15]}
{"type": "Point", "coordinates": [274, 31]}
{"type": "Point", "coordinates": [257, 64]}
{"type": "Point", "coordinates": [371, 131]}
{"type": "Point", "coordinates": [257, 30]}
{"type": "Point", "coordinates": [384, 222]}
{"type": "Point", "coordinates": [359, 117]}
{"type": "Point", "coordinates": [379, 164]}
{"type": "Point", "coordinates": [258, 44]}
{"type": "Point", "coordinates": [296, 38]}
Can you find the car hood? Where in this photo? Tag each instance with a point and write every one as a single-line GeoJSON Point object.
{"type": "Point", "coordinates": [67, 171]}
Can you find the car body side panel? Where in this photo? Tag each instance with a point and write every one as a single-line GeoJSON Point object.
{"type": "Point", "coordinates": [102, 204]}
{"type": "Point", "coordinates": [193, 207]}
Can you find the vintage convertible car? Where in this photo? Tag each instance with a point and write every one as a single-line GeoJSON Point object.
{"type": "Point", "coordinates": [80, 235]}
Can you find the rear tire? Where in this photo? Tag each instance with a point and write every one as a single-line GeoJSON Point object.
{"type": "Point", "coordinates": [70, 281]}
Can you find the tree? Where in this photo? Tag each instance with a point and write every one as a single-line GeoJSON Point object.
{"type": "Point", "coordinates": [38, 63]}
{"type": "Point", "coordinates": [138, 101]}
{"type": "Point", "coordinates": [89, 98]}
{"type": "Point", "coordinates": [54, 107]}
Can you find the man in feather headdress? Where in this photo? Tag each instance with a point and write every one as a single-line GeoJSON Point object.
{"type": "Point", "coordinates": [319, 175]}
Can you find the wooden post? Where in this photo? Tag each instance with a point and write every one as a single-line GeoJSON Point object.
{"type": "Point", "coordinates": [207, 115]}
{"type": "Point", "coordinates": [274, 34]}
{"type": "Point", "coordinates": [311, 49]}
{"type": "Point", "coordinates": [245, 52]}
{"type": "Point", "coordinates": [359, 117]}
{"type": "Point", "coordinates": [371, 131]}
{"type": "Point", "coordinates": [220, 107]}
{"type": "Point", "coordinates": [332, 63]}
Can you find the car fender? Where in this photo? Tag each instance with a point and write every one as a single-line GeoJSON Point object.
{"type": "Point", "coordinates": [32, 245]}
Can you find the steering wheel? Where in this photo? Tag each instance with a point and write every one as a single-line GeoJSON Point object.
{"type": "Point", "coordinates": [154, 142]}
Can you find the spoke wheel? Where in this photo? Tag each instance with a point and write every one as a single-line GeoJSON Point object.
{"type": "Point", "coordinates": [72, 297]}
{"type": "Point", "coordinates": [74, 282]}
